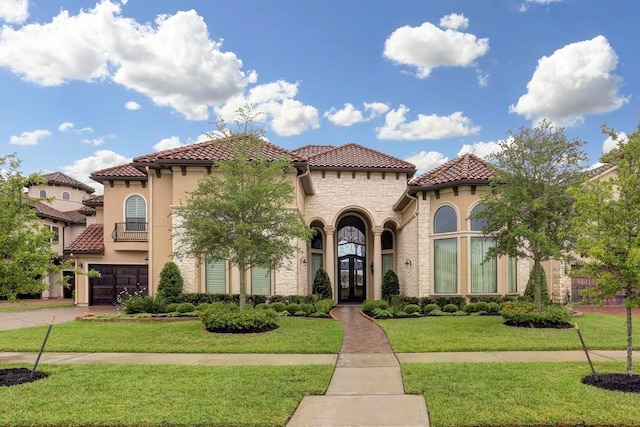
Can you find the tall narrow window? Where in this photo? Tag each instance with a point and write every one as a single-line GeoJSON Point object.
{"type": "Point", "coordinates": [136, 214]}
{"type": "Point", "coordinates": [56, 234]}
{"type": "Point", "coordinates": [216, 277]}
{"type": "Point", "coordinates": [317, 252]}
{"type": "Point", "coordinates": [387, 251]}
{"type": "Point", "coordinates": [512, 275]}
{"type": "Point", "coordinates": [43, 193]}
{"type": "Point", "coordinates": [260, 281]}
{"type": "Point", "coordinates": [484, 273]}
{"type": "Point", "coordinates": [65, 195]}
{"type": "Point", "coordinates": [446, 265]}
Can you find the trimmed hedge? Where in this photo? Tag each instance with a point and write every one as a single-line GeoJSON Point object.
{"type": "Point", "coordinates": [523, 313]}
{"type": "Point", "coordinates": [227, 318]}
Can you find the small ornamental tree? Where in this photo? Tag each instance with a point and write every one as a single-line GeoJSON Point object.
{"type": "Point", "coordinates": [390, 285]}
{"type": "Point", "coordinates": [541, 277]}
{"type": "Point", "coordinates": [171, 282]}
{"type": "Point", "coordinates": [322, 284]}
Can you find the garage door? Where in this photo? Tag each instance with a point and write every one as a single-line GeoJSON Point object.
{"type": "Point", "coordinates": [114, 279]}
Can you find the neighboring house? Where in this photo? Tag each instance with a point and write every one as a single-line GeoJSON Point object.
{"type": "Point", "coordinates": [66, 216]}
{"type": "Point", "coordinates": [370, 214]}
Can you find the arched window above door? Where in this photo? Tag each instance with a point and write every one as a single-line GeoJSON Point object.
{"type": "Point", "coordinates": [445, 220]}
{"type": "Point", "coordinates": [135, 213]}
{"type": "Point", "coordinates": [351, 236]}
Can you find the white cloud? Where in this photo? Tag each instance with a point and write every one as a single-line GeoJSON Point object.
{"type": "Point", "coordinates": [345, 117]}
{"type": "Point", "coordinates": [575, 80]}
{"type": "Point", "coordinates": [14, 11]}
{"type": "Point", "coordinates": [525, 6]}
{"type": "Point", "coordinates": [432, 126]}
{"type": "Point", "coordinates": [376, 108]}
{"type": "Point", "coordinates": [274, 104]}
{"type": "Point", "coordinates": [483, 79]}
{"type": "Point", "coordinates": [172, 61]}
{"type": "Point", "coordinates": [610, 143]}
{"type": "Point", "coordinates": [65, 126]}
{"type": "Point", "coordinates": [427, 160]}
{"type": "Point", "coordinates": [101, 159]}
{"type": "Point", "coordinates": [29, 138]}
{"type": "Point", "coordinates": [132, 105]}
{"type": "Point", "coordinates": [85, 129]}
{"type": "Point", "coordinates": [480, 149]}
{"type": "Point", "coordinates": [427, 46]}
{"type": "Point", "coordinates": [96, 142]}
{"type": "Point", "coordinates": [454, 22]}
{"type": "Point", "coordinates": [169, 143]}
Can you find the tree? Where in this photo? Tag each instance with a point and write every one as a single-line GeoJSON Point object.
{"type": "Point", "coordinates": [608, 229]}
{"type": "Point", "coordinates": [390, 284]}
{"type": "Point", "coordinates": [240, 211]}
{"type": "Point", "coordinates": [322, 284]}
{"type": "Point", "coordinates": [25, 243]}
{"type": "Point", "coordinates": [528, 209]}
{"type": "Point", "coordinates": [171, 282]}
{"type": "Point", "coordinates": [529, 291]}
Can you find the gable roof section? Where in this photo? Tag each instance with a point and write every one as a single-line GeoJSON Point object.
{"type": "Point", "coordinates": [65, 180]}
{"type": "Point", "coordinates": [355, 156]}
{"type": "Point", "coordinates": [94, 201]}
{"type": "Point", "coordinates": [43, 210]}
{"type": "Point", "coordinates": [467, 168]}
{"type": "Point", "coordinates": [307, 151]}
{"type": "Point", "coordinates": [123, 172]}
{"type": "Point", "coordinates": [90, 241]}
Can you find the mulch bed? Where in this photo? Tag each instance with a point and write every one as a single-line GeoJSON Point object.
{"type": "Point", "coordinates": [615, 382]}
{"type": "Point", "coordinates": [13, 376]}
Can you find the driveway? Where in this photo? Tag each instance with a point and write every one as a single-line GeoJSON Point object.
{"type": "Point", "coordinates": [44, 316]}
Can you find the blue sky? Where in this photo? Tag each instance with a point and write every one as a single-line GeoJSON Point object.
{"type": "Point", "coordinates": [91, 84]}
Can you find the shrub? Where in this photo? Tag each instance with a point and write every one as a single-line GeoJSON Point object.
{"type": "Point", "coordinates": [429, 308]}
{"type": "Point", "coordinates": [307, 308]}
{"type": "Point", "coordinates": [390, 285]}
{"type": "Point", "coordinates": [136, 303]}
{"type": "Point", "coordinates": [472, 307]}
{"type": "Point", "coordinates": [186, 307]}
{"type": "Point", "coordinates": [412, 308]}
{"type": "Point", "coordinates": [450, 308]}
{"type": "Point", "coordinates": [544, 290]}
{"type": "Point", "coordinates": [172, 307]}
{"type": "Point", "coordinates": [277, 306]}
{"type": "Point", "coordinates": [459, 313]}
{"type": "Point", "coordinates": [369, 305]}
{"type": "Point", "coordinates": [523, 313]}
{"type": "Point", "coordinates": [493, 307]}
{"type": "Point", "coordinates": [171, 282]}
{"type": "Point", "coordinates": [380, 313]}
{"type": "Point", "coordinates": [383, 304]}
{"type": "Point", "coordinates": [227, 319]}
{"type": "Point", "coordinates": [438, 312]}
{"type": "Point", "coordinates": [322, 284]}
{"type": "Point", "coordinates": [203, 306]}
{"type": "Point", "coordinates": [293, 308]}
{"type": "Point", "coordinates": [324, 306]}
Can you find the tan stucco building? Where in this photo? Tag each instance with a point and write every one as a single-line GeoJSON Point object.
{"type": "Point", "coordinates": [370, 212]}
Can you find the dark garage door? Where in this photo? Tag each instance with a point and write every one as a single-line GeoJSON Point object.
{"type": "Point", "coordinates": [114, 279]}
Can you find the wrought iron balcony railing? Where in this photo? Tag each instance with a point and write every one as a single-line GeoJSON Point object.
{"type": "Point", "coordinates": [130, 232]}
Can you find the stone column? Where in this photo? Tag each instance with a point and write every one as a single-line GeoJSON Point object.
{"type": "Point", "coordinates": [330, 259]}
{"type": "Point", "coordinates": [377, 263]}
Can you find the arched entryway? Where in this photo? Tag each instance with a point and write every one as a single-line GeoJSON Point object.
{"type": "Point", "coordinates": [352, 259]}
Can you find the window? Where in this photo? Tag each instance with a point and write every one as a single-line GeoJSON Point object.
{"type": "Point", "coordinates": [216, 277]}
{"type": "Point", "coordinates": [484, 277]}
{"type": "Point", "coordinates": [65, 195]}
{"type": "Point", "coordinates": [477, 224]}
{"type": "Point", "coordinates": [512, 275]}
{"type": "Point", "coordinates": [446, 265]}
{"type": "Point", "coordinates": [387, 251]}
{"type": "Point", "coordinates": [43, 193]}
{"type": "Point", "coordinates": [317, 252]}
{"type": "Point", "coordinates": [260, 281]}
{"type": "Point", "coordinates": [136, 214]}
{"type": "Point", "coordinates": [56, 234]}
{"type": "Point", "coordinates": [445, 220]}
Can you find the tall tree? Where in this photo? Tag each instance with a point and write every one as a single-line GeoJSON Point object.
{"type": "Point", "coordinates": [608, 229]}
{"type": "Point", "coordinates": [241, 211]}
{"type": "Point", "coordinates": [25, 243]}
{"type": "Point", "coordinates": [528, 209]}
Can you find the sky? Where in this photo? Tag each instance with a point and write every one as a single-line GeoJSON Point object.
{"type": "Point", "coordinates": [86, 84]}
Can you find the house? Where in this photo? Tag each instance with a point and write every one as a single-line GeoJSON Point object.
{"type": "Point", "coordinates": [370, 213]}
{"type": "Point", "coordinates": [66, 215]}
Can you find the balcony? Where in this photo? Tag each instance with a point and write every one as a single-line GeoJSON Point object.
{"type": "Point", "coordinates": [130, 232]}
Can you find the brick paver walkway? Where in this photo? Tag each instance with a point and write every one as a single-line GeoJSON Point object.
{"type": "Point", "coordinates": [361, 335]}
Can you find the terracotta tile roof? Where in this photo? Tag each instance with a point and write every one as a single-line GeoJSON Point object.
{"type": "Point", "coordinates": [355, 156]}
{"type": "Point", "coordinates": [87, 211]}
{"type": "Point", "coordinates": [464, 168]}
{"type": "Point", "coordinates": [90, 241]}
{"type": "Point", "coordinates": [592, 173]}
{"type": "Point", "coordinates": [207, 152]}
{"type": "Point", "coordinates": [43, 210]}
{"type": "Point", "coordinates": [307, 151]}
{"type": "Point", "coordinates": [123, 172]}
{"type": "Point", "coordinates": [94, 201]}
{"type": "Point", "coordinates": [65, 180]}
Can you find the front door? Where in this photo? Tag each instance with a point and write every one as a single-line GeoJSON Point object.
{"type": "Point", "coordinates": [352, 278]}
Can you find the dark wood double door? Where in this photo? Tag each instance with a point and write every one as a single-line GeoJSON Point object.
{"type": "Point", "coordinates": [353, 277]}
{"type": "Point", "coordinates": [115, 279]}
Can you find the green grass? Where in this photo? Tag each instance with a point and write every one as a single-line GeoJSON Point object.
{"type": "Point", "coordinates": [18, 306]}
{"type": "Point", "coordinates": [488, 333]}
{"type": "Point", "coordinates": [295, 335]}
{"type": "Point", "coordinates": [516, 394]}
{"type": "Point", "coordinates": [152, 395]}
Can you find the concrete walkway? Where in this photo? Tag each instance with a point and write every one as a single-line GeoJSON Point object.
{"type": "Point", "coordinates": [366, 388]}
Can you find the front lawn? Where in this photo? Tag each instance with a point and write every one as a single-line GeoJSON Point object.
{"type": "Point", "coordinates": [488, 333]}
{"type": "Point", "coordinates": [295, 335]}
{"type": "Point", "coordinates": [152, 395]}
{"type": "Point", "coordinates": [21, 306]}
{"type": "Point", "coordinates": [519, 394]}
